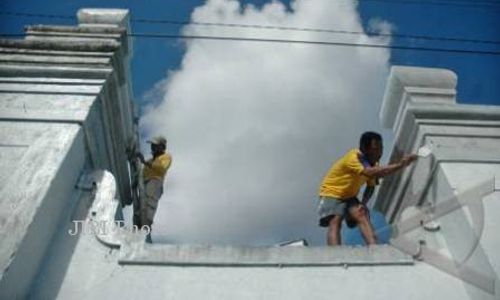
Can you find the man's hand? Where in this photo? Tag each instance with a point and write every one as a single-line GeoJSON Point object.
{"type": "Point", "coordinates": [140, 156]}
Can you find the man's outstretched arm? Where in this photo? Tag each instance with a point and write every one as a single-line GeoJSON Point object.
{"type": "Point", "coordinates": [382, 171]}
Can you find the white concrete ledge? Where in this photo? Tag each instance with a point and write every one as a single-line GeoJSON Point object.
{"type": "Point", "coordinates": [216, 255]}
{"type": "Point", "coordinates": [117, 17]}
{"type": "Point", "coordinates": [54, 71]}
{"type": "Point", "coordinates": [424, 84]}
{"type": "Point", "coordinates": [92, 45]}
{"type": "Point", "coordinates": [71, 53]}
{"type": "Point", "coordinates": [73, 29]}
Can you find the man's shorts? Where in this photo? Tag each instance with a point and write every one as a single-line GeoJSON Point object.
{"type": "Point", "coordinates": [329, 207]}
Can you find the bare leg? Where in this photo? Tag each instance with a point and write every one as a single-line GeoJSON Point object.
{"type": "Point", "coordinates": [333, 234]}
{"type": "Point", "coordinates": [136, 219]}
{"type": "Point", "coordinates": [359, 214]}
{"type": "Point", "coordinates": [367, 231]}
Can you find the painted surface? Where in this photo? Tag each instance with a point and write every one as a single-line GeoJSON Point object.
{"type": "Point", "coordinates": [65, 109]}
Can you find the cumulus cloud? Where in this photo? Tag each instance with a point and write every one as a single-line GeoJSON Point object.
{"type": "Point", "coordinates": [253, 127]}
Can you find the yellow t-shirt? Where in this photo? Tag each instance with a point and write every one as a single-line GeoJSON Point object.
{"type": "Point", "coordinates": [344, 179]}
{"type": "Point", "coordinates": [159, 167]}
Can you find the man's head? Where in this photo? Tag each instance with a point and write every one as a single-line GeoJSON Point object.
{"type": "Point", "coordinates": [371, 145]}
{"type": "Point", "coordinates": [158, 145]}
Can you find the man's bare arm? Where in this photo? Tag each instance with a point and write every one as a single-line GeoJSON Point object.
{"type": "Point", "coordinates": [141, 158]}
{"type": "Point", "coordinates": [382, 171]}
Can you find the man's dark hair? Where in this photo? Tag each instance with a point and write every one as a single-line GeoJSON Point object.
{"type": "Point", "coordinates": [366, 139]}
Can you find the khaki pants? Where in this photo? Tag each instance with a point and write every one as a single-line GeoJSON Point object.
{"type": "Point", "coordinates": [145, 208]}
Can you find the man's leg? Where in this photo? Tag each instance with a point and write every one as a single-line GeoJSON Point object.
{"type": "Point", "coordinates": [153, 191]}
{"type": "Point", "coordinates": [333, 234]}
{"type": "Point", "coordinates": [147, 216]}
{"type": "Point", "coordinates": [145, 221]}
{"type": "Point", "coordinates": [136, 219]}
{"type": "Point", "coordinates": [360, 215]}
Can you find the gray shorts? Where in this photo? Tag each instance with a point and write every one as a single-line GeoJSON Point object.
{"type": "Point", "coordinates": [148, 202]}
{"type": "Point", "coordinates": [329, 207]}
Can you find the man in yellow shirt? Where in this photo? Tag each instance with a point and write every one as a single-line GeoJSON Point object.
{"type": "Point", "coordinates": [341, 185]}
{"type": "Point", "coordinates": [153, 175]}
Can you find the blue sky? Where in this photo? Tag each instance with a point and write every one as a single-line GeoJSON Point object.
{"type": "Point", "coordinates": [158, 59]}
{"type": "Point", "coordinates": [478, 74]}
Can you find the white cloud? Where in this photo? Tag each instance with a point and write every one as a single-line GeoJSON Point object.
{"type": "Point", "coordinates": [253, 127]}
